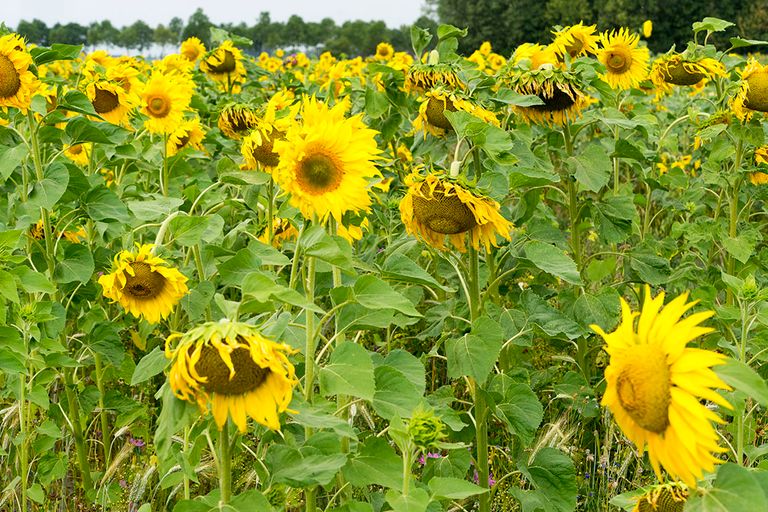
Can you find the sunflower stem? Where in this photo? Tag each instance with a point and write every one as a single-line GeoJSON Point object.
{"type": "Point", "coordinates": [77, 434]}
{"type": "Point", "coordinates": [310, 494]}
{"type": "Point", "coordinates": [164, 170]}
{"type": "Point", "coordinates": [105, 432]}
{"type": "Point", "coordinates": [184, 447]}
{"type": "Point", "coordinates": [270, 210]}
{"type": "Point", "coordinates": [733, 213]}
{"type": "Point", "coordinates": [225, 467]}
{"type": "Point", "coordinates": [24, 454]}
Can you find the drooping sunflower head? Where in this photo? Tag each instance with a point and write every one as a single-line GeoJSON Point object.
{"type": "Point", "coordinates": [225, 66]}
{"type": "Point", "coordinates": [237, 119]}
{"type": "Point", "coordinates": [436, 207]}
{"type": "Point", "coordinates": [423, 77]}
{"type": "Point", "coordinates": [674, 69]}
{"type": "Point", "coordinates": [327, 161]}
{"type": "Point", "coordinates": [753, 91]}
{"type": "Point", "coordinates": [164, 100]}
{"type": "Point", "coordinates": [144, 284]}
{"type": "Point", "coordinates": [188, 134]}
{"type": "Point", "coordinates": [576, 40]}
{"type": "Point", "coordinates": [110, 100]}
{"type": "Point", "coordinates": [434, 104]}
{"type": "Point", "coordinates": [669, 497]}
{"type": "Point", "coordinates": [655, 385]}
{"type": "Point", "coordinates": [626, 63]}
{"type": "Point", "coordinates": [231, 368]}
{"type": "Point", "coordinates": [17, 83]}
{"type": "Point", "coordinates": [559, 90]}
{"type": "Point", "coordinates": [192, 49]}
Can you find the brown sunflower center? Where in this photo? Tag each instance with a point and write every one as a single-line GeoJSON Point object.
{"type": "Point", "coordinates": [436, 113]}
{"type": "Point", "coordinates": [442, 214]}
{"type": "Point", "coordinates": [183, 141]}
{"type": "Point", "coordinates": [226, 65]}
{"type": "Point", "coordinates": [264, 153]}
{"type": "Point", "coordinates": [145, 284]}
{"type": "Point", "coordinates": [76, 149]}
{"type": "Point", "coordinates": [319, 174]}
{"type": "Point", "coordinates": [190, 53]}
{"type": "Point", "coordinates": [104, 101]}
{"type": "Point", "coordinates": [574, 47]}
{"type": "Point", "coordinates": [677, 74]}
{"type": "Point", "coordinates": [618, 62]}
{"type": "Point", "coordinates": [248, 375]}
{"type": "Point", "coordinates": [559, 100]}
{"type": "Point", "coordinates": [158, 106]}
{"type": "Point", "coordinates": [643, 387]}
{"type": "Point", "coordinates": [10, 81]}
{"type": "Point", "coordinates": [757, 95]}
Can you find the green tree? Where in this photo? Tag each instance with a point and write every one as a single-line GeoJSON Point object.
{"type": "Point", "coordinates": [199, 25]}
{"type": "Point", "coordinates": [138, 35]}
{"type": "Point", "coordinates": [176, 25]}
{"type": "Point", "coordinates": [35, 31]}
{"type": "Point", "coordinates": [103, 32]}
{"type": "Point", "coordinates": [568, 12]}
{"type": "Point", "coordinates": [164, 36]}
{"type": "Point", "coordinates": [71, 33]}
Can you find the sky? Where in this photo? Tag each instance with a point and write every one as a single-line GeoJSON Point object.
{"type": "Point", "coordinates": [393, 12]}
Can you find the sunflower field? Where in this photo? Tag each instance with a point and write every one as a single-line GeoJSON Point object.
{"type": "Point", "coordinates": [535, 282]}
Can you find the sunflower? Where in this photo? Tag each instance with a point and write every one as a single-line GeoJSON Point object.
{"type": "Point", "coordinates": [437, 206]}
{"type": "Point", "coordinates": [277, 116]}
{"type": "Point", "coordinates": [761, 157]}
{"type": "Point", "coordinates": [188, 134]}
{"type": "Point", "coordinates": [626, 64]}
{"type": "Point", "coordinates": [559, 90]}
{"type": "Point", "coordinates": [237, 119]}
{"type": "Point", "coordinates": [753, 91]}
{"type": "Point", "coordinates": [192, 49]}
{"type": "Point", "coordinates": [535, 56]}
{"type": "Point", "coordinates": [423, 77]}
{"type": "Point", "coordinates": [576, 40]}
{"type": "Point", "coordinates": [225, 66]}
{"type": "Point", "coordinates": [144, 284]}
{"type": "Point", "coordinates": [17, 82]}
{"type": "Point", "coordinates": [676, 69]}
{"type": "Point", "coordinates": [110, 100]}
{"type": "Point", "coordinates": [79, 153]}
{"type": "Point", "coordinates": [326, 161]}
{"type": "Point", "coordinates": [669, 497]}
{"type": "Point", "coordinates": [655, 384]}
{"type": "Point", "coordinates": [282, 231]}
{"type": "Point", "coordinates": [434, 103]}
{"type": "Point", "coordinates": [233, 369]}
{"type": "Point", "coordinates": [384, 51]}
{"type": "Point", "coordinates": [164, 99]}
{"type": "Point", "coordinates": [647, 28]}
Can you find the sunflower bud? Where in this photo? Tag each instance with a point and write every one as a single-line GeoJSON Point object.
{"type": "Point", "coordinates": [426, 430]}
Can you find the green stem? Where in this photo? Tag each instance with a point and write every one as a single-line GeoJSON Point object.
{"type": "Point", "coordinates": [225, 467]}
{"type": "Point", "coordinates": [407, 462]}
{"type": "Point", "coordinates": [77, 434]}
{"type": "Point", "coordinates": [310, 493]}
{"type": "Point", "coordinates": [733, 224]}
{"type": "Point", "coordinates": [164, 170]}
{"type": "Point", "coordinates": [741, 418]}
{"type": "Point", "coordinates": [573, 213]}
{"type": "Point", "coordinates": [105, 431]}
{"type": "Point", "coordinates": [24, 455]}
{"type": "Point", "coordinates": [270, 210]}
{"type": "Point", "coordinates": [184, 451]}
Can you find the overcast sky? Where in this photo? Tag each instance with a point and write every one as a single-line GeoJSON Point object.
{"type": "Point", "coordinates": [393, 12]}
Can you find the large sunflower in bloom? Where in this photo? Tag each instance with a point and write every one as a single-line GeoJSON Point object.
{"type": "Point", "coordinates": [144, 284]}
{"type": "Point", "coordinates": [111, 100]}
{"type": "Point", "coordinates": [164, 99]}
{"type": "Point", "coordinates": [326, 161]}
{"type": "Point", "coordinates": [576, 40]}
{"type": "Point", "coordinates": [192, 49]}
{"type": "Point", "coordinates": [432, 119]}
{"type": "Point", "coordinates": [753, 91]}
{"type": "Point", "coordinates": [669, 497]}
{"type": "Point", "coordinates": [17, 82]}
{"type": "Point", "coordinates": [225, 66]}
{"type": "Point", "coordinates": [626, 63]}
{"type": "Point", "coordinates": [233, 369]}
{"type": "Point", "coordinates": [272, 123]}
{"type": "Point", "coordinates": [188, 134]}
{"type": "Point", "coordinates": [655, 385]}
{"type": "Point", "coordinates": [437, 206]}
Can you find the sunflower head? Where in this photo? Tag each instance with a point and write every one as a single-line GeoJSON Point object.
{"type": "Point", "coordinates": [437, 206]}
{"type": "Point", "coordinates": [435, 103]}
{"type": "Point", "coordinates": [626, 64]}
{"type": "Point", "coordinates": [423, 77]}
{"type": "Point", "coordinates": [79, 153]}
{"type": "Point", "coordinates": [232, 369]}
{"type": "Point", "coordinates": [164, 100]}
{"type": "Point", "coordinates": [761, 159]}
{"type": "Point", "coordinates": [535, 56]}
{"type": "Point", "coordinates": [326, 162]}
{"type": "Point", "coordinates": [237, 119]}
{"type": "Point", "coordinates": [753, 91]}
{"type": "Point", "coordinates": [676, 69]}
{"type": "Point", "coordinates": [17, 82]}
{"type": "Point", "coordinates": [384, 51]}
{"type": "Point", "coordinates": [144, 284]}
{"type": "Point", "coordinates": [576, 40]}
{"type": "Point", "coordinates": [669, 497]}
{"type": "Point", "coordinates": [560, 91]}
{"type": "Point", "coordinates": [282, 231]}
{"type": "Point", "coordinates": [258, 148]}
{"type": "Point", "coordinates": [192, 49]}
{"type": "Point", "coordinates": [188, 134]}
{"type": "Point", "coordinates": [655, 384]}
{"type": "Point", "coordinates": [225, 66]}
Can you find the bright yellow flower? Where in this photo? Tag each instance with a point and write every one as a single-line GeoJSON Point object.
{"type": "Point", "coordinates": [647, 28]}
{"type": "Point", "coordinates": [485, 48]}
{"type": "Point", "coordinates": [384, 51]}
{"type": "Point", "coordinates": [144, 284]}
{"type": "Point", "coordinates": [234, 370]}
{"type": "Point", "coordinates": [576, 40]}
{"type": "Point", "coordinates": [753, 91]}
{"type": "Point", "coordinates": [538, 56]}
{"type": "Point", "coordinates": [436, 206]}
{"type": "Point", "coordinates": [626, 64]}
{"type": "Point", "coordinates": [327, 161]}
{"type": "Point", "coordinates": [423, 77]}
{"type": "Point", "coordinates": [282, 231]}
{"type": "Point", "coordinates": [432, 119]}
{"type": "Point", "coordinates": [761, 159]}
{"type": "Point", "coordinates": [111, 101]}
{"type": "Point", "coordinates": [79, 153]}
{"type": "Point", "coordinates": [225, 66]}
{"type": "Point", "coordinates": [164, 100]}
{"type": "Point", "coordinates": [655, 385]}
{"type": "Point", "coordinates": [188, 134]}
{"type": "Point", "coordinates": [17, 83]}
{"type": "Point", "coordinates": [192, 49]}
